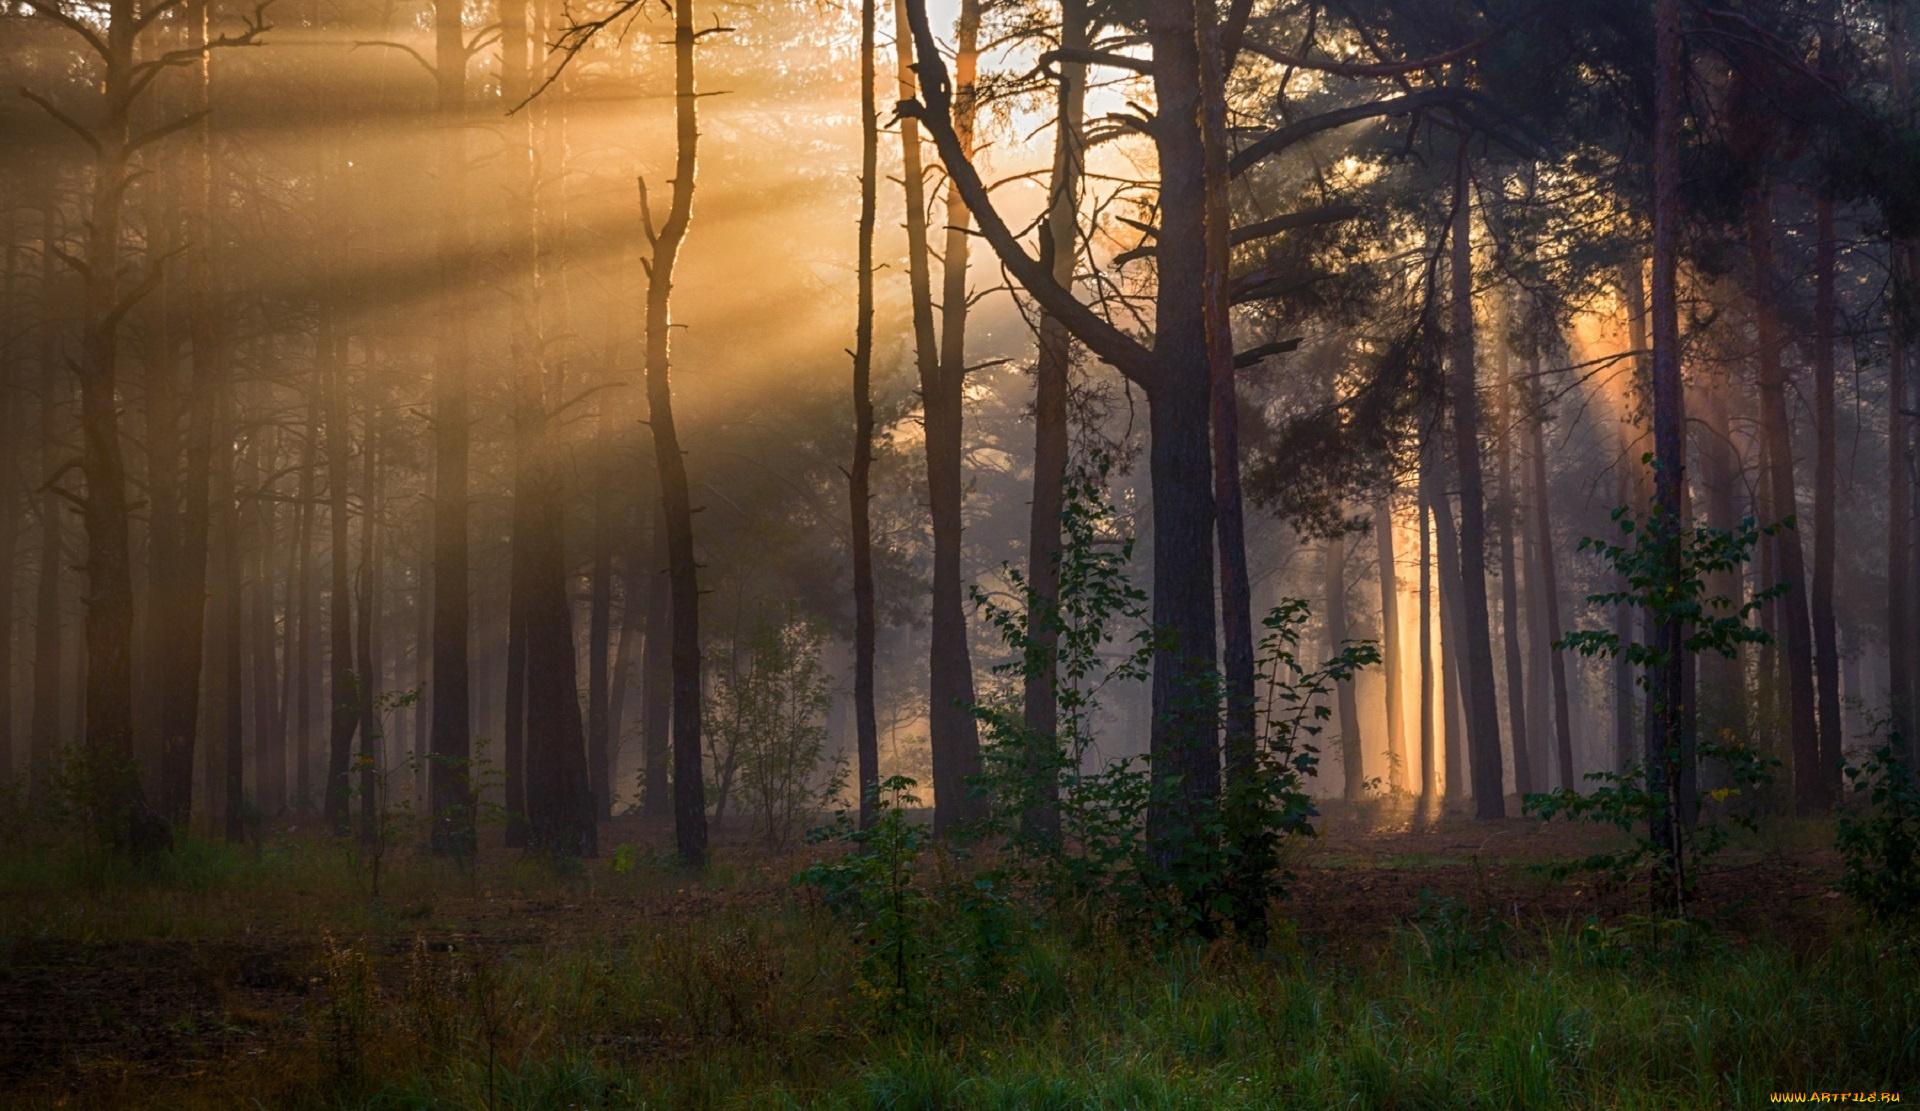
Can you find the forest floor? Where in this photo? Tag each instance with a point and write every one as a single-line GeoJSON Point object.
{"type": "Point", "coordinates": [269, 976]}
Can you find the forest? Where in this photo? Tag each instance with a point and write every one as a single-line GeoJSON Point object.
{"type": "Point", "coordinates": [959, 553]}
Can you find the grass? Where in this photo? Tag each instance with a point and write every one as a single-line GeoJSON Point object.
{"type": "Point", "coordinates": [650, 988]}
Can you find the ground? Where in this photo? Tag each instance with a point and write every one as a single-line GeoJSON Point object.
{"type": "Point", "coordinates": [217, 981]}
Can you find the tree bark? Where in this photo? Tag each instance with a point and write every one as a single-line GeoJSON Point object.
{"type": "Point", "coordinates": [1549, 593]}
{"type": "Point", "coordinates": [373, 758]}
{"type": "Point", "coordinates": [656, 680]}
{"type": "Point", "coordinates": [1900, 588]}
{"type": "Point", "coordinates": [1236, 592]}
{"type": "Point", "coordinates": [44, 716]}
{"type": "Point", "coordinates": [689, 789]}
{"type": "Point", "coordinates": [1813, 777]}
{"type": "Point", "coordinates": [1525, 778]}
{"type": "Point", "coordinates": [1052, 367]}
{"type": "Point", "coordinates": [1429, 765]}
{"type": "Point", "coordinates": [269, 741]}
{"type": "Point", "coordinates": [1392, 644]}
{"type": "Point", "coordinates": [303, 648]}
{"type": "Point", "coordinates": [449, 786]}
{"type": "Point", "coordinates": [1826, 648]}
{"type": "Point", "coordinates": [343, 693]}
{"type": "Point", "coordinates": [860, 476]}
{"type": "Point", "coordinates": [1482, 707]}
{"type": "Point", "coordinates": [1352, 747]}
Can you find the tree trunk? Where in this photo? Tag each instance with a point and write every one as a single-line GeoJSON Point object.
{"type": "Point", "coordinates": [343, 693]}
{"type": "Point", "coordinates": [860, 475]}
{"type": "Point", "coordinates": [1429, 765]}
{"type": "Point", "coordinates": [449, 787]}
{"type": "Point", "coordinates": [1482, 707]}
{"type": "Point", "coordinates": [1813, 777]}
{"type": "Point", "coordinates": [269, 742]}
{"type": "Point", "coordinates": [1352, 747]}
{"type": "Point", "coordinates": [676, 505]}
{"type": "Point", "coordinates": [1525, 777]}
{"type": "Point", "coordinates": [302, 646]}
{"type": "Point", "coordinates": [120, 805]}
{"type": "Point", "coordinates": [1455, 786]}
{"type": "Point", "coordinates": [1826, 648]}
{"type": "Point", "coordinates": [1391, 642]}
{"type": "Point", "coordinates": [1900, 597]}
{"type": "Point", "coordinates": [656, 679]}
{"type": "Point", "coordinates": [1549, 592]}
{"type": "Point", "coordinates": [1236, 592]}
{"type": "Point", "coordinates": [226, 757]}
{"type": "Point", "coordinates": [43, 725]}
{"type": "Point", "coordinates": [373, 760]}
{"type": "Point", "coordinates": [1052, 367]}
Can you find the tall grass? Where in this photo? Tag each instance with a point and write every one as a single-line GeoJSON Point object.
{"type": "Point", "coordinates": [756, 1007]}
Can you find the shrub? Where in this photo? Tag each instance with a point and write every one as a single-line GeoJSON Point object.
{"type": "Point", "coordinates": [1880, 842]}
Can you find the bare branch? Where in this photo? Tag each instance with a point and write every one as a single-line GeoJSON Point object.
{"type": "Point", "coordinates": [45, 8]}
{"type": "Point", "coordinates": [404, 49]}
{"type": "Point", "coordinates": [1274, 142]}
{"type": "Point", "coordinates": [1142, 66]}
{"type": "Point", "coordinates": [167, 129]}
{"type": "Point", "coordinates": [62, 118]}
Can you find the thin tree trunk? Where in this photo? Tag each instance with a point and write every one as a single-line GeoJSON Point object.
{"type": "Point", "coordinates": [1813, 778]}
{"type": "Point", "coordinates": [1352, 747]}
{"type": "Point", "coordinates": [1050, 446]}
{"type": "Point", "coordinates": [1236, 593]}
{"type": "Point", "coordinates": [449, 787]}
{"type": "Point", "coordinates": [305, 647]}
{"type": "Point", "coordinates": [1826, 648]}
{"type": "Point", "coordinates": [860, 475]}
{"type": "Point", "coordinates": [676, 505]}
{"type": "Point", "coordinates": [372, 761]}
{"type": "Point", "coordinates": [225, 758]}
{"type": "Point", "coordinates": [343, 693]}
{"type": "Point", "coordinates": [1549, 593]}
{"type": "Point", "coordinates": [269, 743]}
{"type": "Point", "coordinates": [1454, 784]}
{"type": "Point", "coordinates": [632, 619]}
{"type": "Point", "coordinates": [656, 678]}
{"type": "Point", "coordinates": [1525, 777]}
{"type": "Point", "coordinates": [44, 716]}
{"type": "Point", "coordinates": [1900, 599]}
{"type": "Point", "coordinates": [1392, 644]}
{"type": "Point", "coordinates": [1429, 765]}
{"type": "Point", "coordinates": [1482, 707]}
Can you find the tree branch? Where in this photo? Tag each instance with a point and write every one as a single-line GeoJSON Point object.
{"type": "Point", "coordinates": [1125, 353]}
{"type": "Point", "coordinates": [1274, 142]}
{"type": "Point", "coordinates": [63, 119]}
{"type": "Point", "coordinates": [45, 8]}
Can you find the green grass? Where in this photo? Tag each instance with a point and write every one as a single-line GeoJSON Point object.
{"type": "Point", "coordinates": [755, 1004]}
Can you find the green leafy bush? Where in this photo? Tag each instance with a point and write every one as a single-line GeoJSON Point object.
{"type": "Point", "coordinates": [1880, 841]}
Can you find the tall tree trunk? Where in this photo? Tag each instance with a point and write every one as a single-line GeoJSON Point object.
{"type": "Point", "coordinates": [676, 505]}
{"type": "Point", "coordinates": [343, 693]}
{"type": "Point", "coordinates": [1482, 707]}
{"type": "Point", "coordinates": [1041, 708]}
{"type": "Point", "coordinates": [43, 724]}
{"type": "Point", "coordinates": [632, 622]}
{"type": "Point", "coordinates": [1429, 764]}
{"type": "Point", "coordinates": [304, 646]}
{"type": "Point", "coordinates": [1724, 693]}
{"type": "Point", "coordinates": [372, 759]}
{"type": "Point", "coordinates": [1900, 596]}
{"type": "Point", "coordinates": [269, 744]}
{"type": "Point", "coordinates": [1236, 592]}
{"type": "Point", "coordinates": [950, 726]}
{"type": "Point", "coordinates": [1454, 784]}
{"type": "Point", "coordinates": [860, 476]}
{"type": "Point", "coordinates": [1525, 777]}
{"type": "Point", "coordinates": [226, 757]}
{"type": "Point", "coordinates": [1182, 737]}
{"type": "Point", "coordinates": [12, 466]}
{"type": "Point", "coordinates": [1392, 644]}
{"type": "Point", "coordinates": [121, 804]}
{"type": "Point", "coordinates": [1632, 492]}
{"type": "Point", "coordinates": [1813, 778]}
{"type": "Point", "coordinates": [1352, 746]}
{"type": "Point", "coordinates": [602, 742]}
{"type": "Point", "coordinates": [1826, 648]}
{"type": "Point", "coordinates": [656, 675]}
{"type": "Point", "coordinates": [954, 733]}
{"type": "Point", "coordinates": [1669, 755]}
{"type": "Point", "coordinates": [1549, 592]}
{"type": "Point", "coordinates": [449, 787]}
